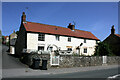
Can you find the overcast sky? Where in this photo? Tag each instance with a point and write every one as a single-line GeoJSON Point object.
{"type": "Point", "coordinates": [96, 17]}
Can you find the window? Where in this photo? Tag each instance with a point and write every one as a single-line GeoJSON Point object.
{"type": "Point", "coordinates": [84, 40]}
{"type": "Point", "coordinates": [69, 49]}
{"type": "Point", "coordinates": [41, 37]}
{"type": "Point", "coordinates": [85, 50]}
{"type": "Point", "coordinates": [69, 39]}
{"type": "Point", "coordinates": [41, 48]}
{"type": "Point", "coordinates": [57, 38]}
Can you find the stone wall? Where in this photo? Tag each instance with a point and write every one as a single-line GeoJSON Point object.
{"type": "Point", "coordinates": [113, 60]}
{"type": "Point", "coordinates": [76, 61]}
{"type": "Point", "coordinates": [67, 61]}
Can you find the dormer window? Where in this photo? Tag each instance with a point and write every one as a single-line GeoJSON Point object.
{"type": "Point", "coordinates": [57, 37]}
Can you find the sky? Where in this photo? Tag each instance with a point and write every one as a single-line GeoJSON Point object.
{"type": "Point", "coordinates": [96, 17]}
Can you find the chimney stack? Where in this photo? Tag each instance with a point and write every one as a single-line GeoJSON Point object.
{"type": "Point", "coordinates": [113, 30]}
{"type": "Point", "coordinates": [14, 31]}
{"type": "Point", "coordinates": [23, 18]}
{"type": "Point", "coordinates": [70, 26]}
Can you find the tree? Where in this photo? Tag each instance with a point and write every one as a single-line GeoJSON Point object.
{"type": "Point", "coordinates": [103, 49]}
{"type": "Point", "coordinates": [17, 32]}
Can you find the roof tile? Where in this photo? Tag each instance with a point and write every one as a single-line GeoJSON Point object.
{"type": "Point", "coordinates": [117, 35]}
{"type": "Point", "coordinates": [43, 28]}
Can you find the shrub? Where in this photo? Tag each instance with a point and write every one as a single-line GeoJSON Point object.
{"type": "Point", "coordinates": [103, 49]}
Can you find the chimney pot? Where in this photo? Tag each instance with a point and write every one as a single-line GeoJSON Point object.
{"type": "Point", "coordinates": [70, 26]}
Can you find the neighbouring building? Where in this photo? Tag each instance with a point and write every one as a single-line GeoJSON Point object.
{"type": "Point", "coordinates": [12, 41]}
{"type": "Point", "coordinates": [37, 36]}
{"type": "Point", "coordinates": [5, 40]}
{"type": "Point", "coordinates": [114, 41]}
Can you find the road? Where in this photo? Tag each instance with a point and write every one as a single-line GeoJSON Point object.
{"type": "Point", "coordinates": [10, 62]}
{"type": "Point", "coordinates": [105, 73]}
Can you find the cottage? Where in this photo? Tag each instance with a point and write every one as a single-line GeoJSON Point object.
{"type": "Point", "coordinates": [12, 41]}
{"type": "Point", "coordinates": [42, 37]}
{"type": "Point", "coordinates": [114, 41]}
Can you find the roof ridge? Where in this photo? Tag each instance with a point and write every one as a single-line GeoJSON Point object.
{"type": "Point", "coordinates": [82, 30]}
{"type": "Point", "coordinates": [57, 26]}
{"type": "Point", "coordinates": [46, 24]}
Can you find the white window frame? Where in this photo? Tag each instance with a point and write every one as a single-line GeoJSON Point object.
{"type": "Point", "coordinates": [85, 41]}
{"type": "Point", "coordinates": [69, 39]}
{"type": "Point", "coordinates": [41, 37]}
{"type": "Point", "coordinates": [86, 50]}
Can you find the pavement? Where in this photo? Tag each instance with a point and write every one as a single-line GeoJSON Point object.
{"type": "Point", "coordinates": [13, 68]}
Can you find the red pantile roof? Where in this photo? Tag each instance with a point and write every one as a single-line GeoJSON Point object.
{"type": "Point", "coordinates": [43, 28]}
{"type": "Point", "coordinates": [117, 35]}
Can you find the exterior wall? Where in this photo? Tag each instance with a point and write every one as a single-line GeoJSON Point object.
{"type": "Point", "coordinates": [12, 50]}
{"type": "Point", "coordinates": [33, 43]}
{"type": "Point", "coordinates": [114, 42]}
{"type": "Point", "coordinates": [21, 41]}
{"type": "Point", "coordinates": [7, 39]}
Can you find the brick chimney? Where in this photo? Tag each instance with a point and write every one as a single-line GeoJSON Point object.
{"type": "Point", "coordinates": [113, 30]}
{"type": "Point", "coordinates": [70, 26]}
{"type": "Point", "coordinates": [23, 18]}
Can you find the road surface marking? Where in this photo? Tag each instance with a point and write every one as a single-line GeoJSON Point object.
{"type": "Point", "coordinates": [114, 76]}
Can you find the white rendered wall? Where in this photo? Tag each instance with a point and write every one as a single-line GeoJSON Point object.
{"type": "Point", "coordinates": [33, 43]}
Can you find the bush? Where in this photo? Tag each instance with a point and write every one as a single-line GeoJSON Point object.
{"type": "Point", "coordinates": [103, 49]}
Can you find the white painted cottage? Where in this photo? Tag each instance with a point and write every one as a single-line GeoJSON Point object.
{"type": "Point", "coordinates": [37, 36]}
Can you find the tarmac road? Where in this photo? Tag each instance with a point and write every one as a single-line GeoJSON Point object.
{"type": "Point", "coordinates": [104, 73]}
{"type": "Point", "coordinates": [10, 62]}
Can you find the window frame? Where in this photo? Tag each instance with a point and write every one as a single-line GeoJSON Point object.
{"type": "Point", "coordinates": [69, 39]}
{"type": "Point", "coordinates": [41, 49]}
{"type": "Point", "coordinates": [85, 50]}
{"type": "Point", "coordinates": [69, 49]}
{"type": "Point", "coordinates": [85, 41]}
{"type": "Point", "coordinates": [57, 37]}
{"type": "Point", "coordinates": [41, 37]}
